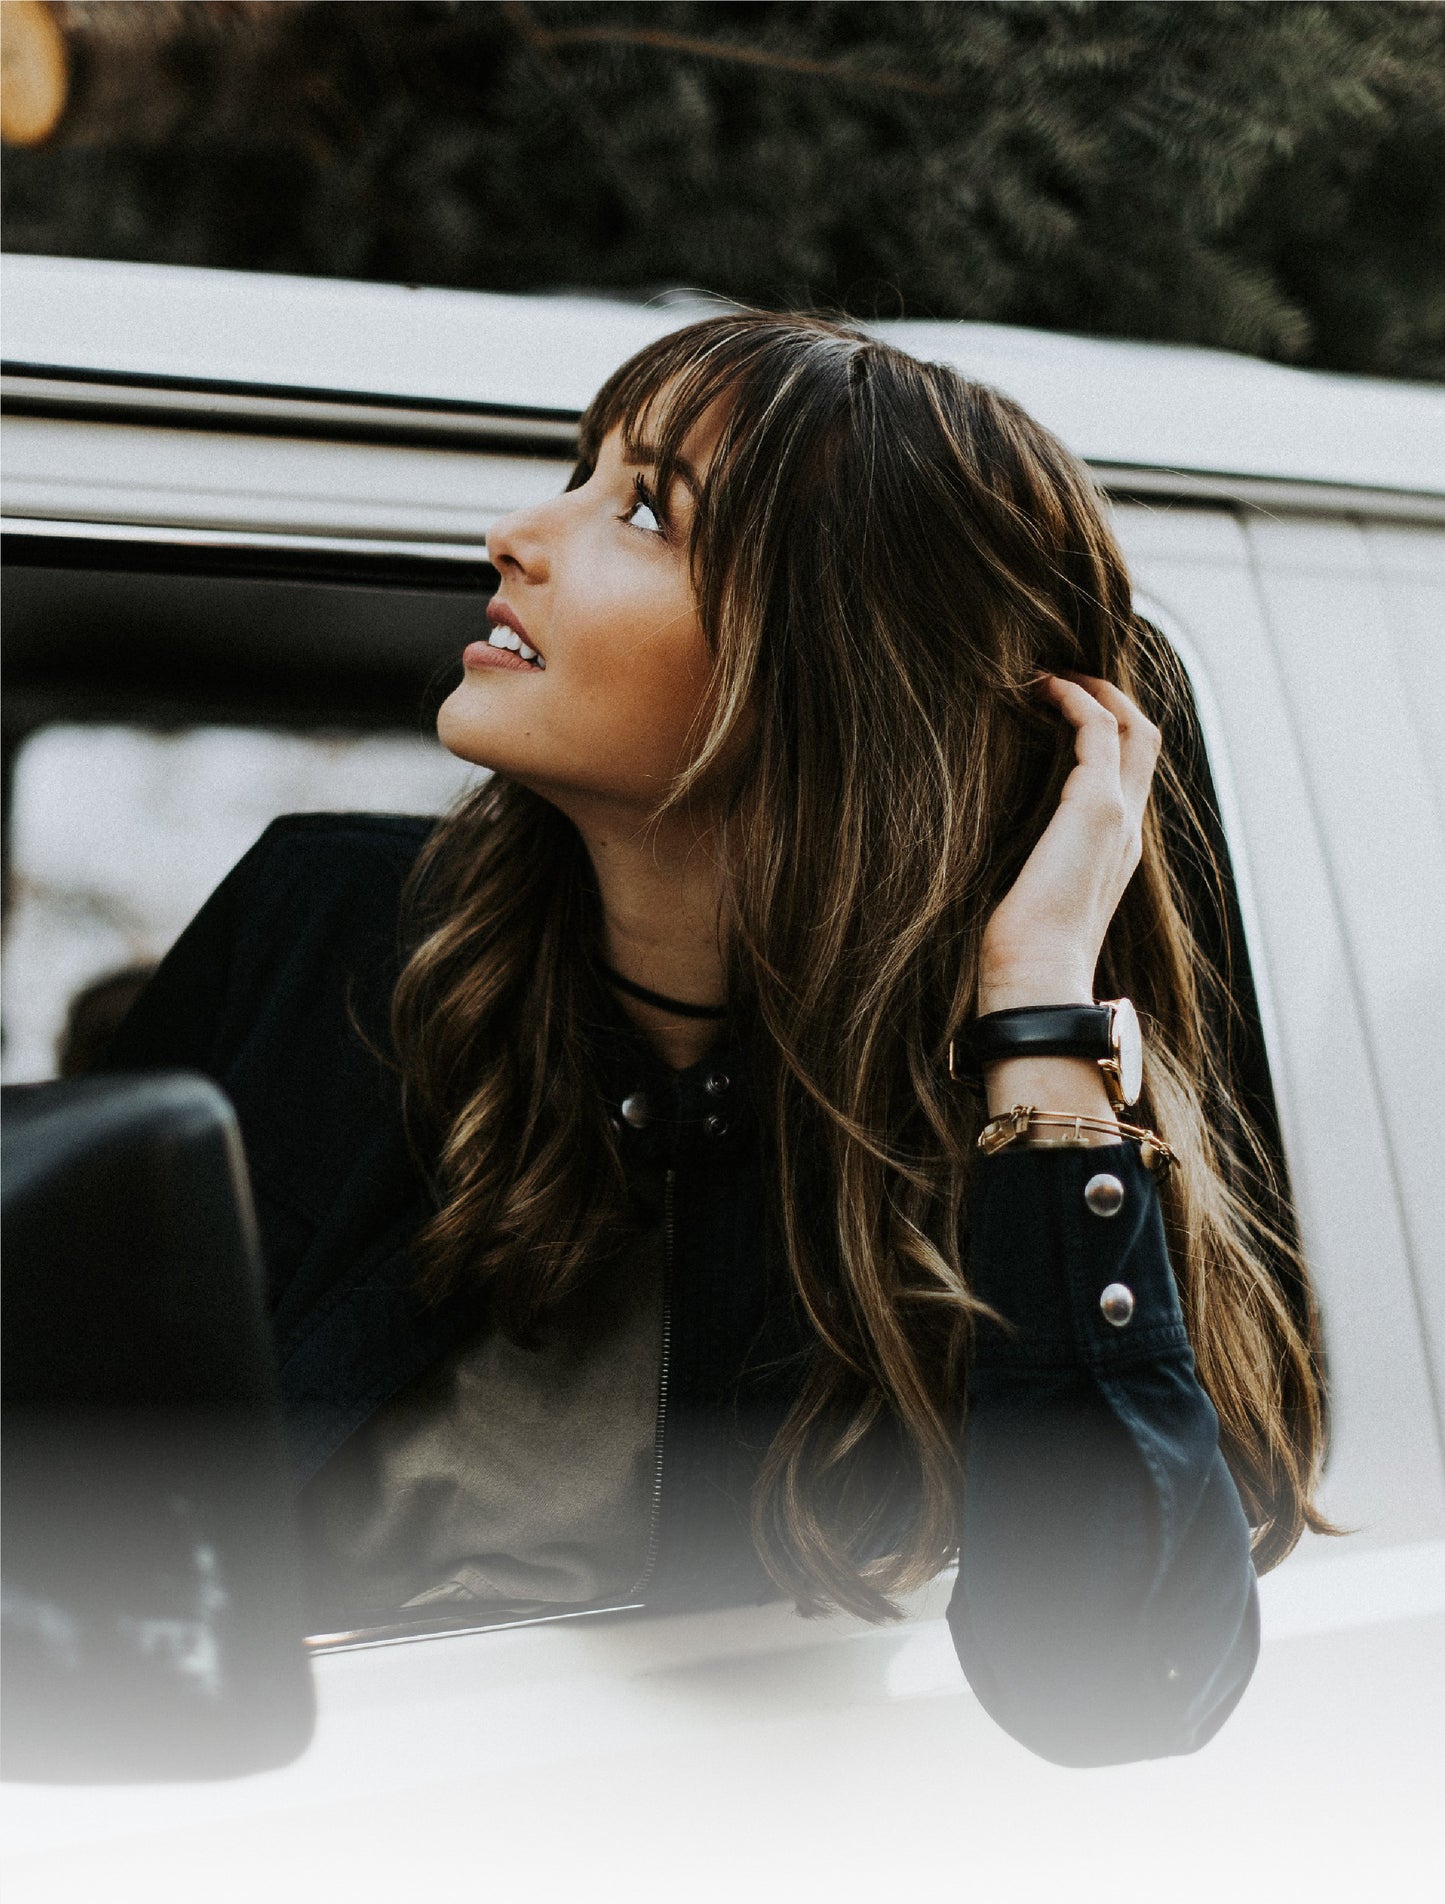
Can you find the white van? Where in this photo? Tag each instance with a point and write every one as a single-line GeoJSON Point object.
{"type": "Point", "coordinates": [217, 487]}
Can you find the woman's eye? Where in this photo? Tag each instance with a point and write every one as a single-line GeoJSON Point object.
{"type": "Point", "coordinates": [643, 513]}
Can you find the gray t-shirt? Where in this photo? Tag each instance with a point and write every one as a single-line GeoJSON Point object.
{"type": "Point", "coordinates": [506, 1475]}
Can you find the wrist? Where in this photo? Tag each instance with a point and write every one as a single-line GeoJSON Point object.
{"type": "Point", "coordinates": [1073, 1085]}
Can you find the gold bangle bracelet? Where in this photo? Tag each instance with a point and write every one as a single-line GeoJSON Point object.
{"type": "Point", "coordinates": [1013, 1125]}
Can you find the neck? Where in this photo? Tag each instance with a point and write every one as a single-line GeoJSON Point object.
{"type": "Point", "coordinates": [661, 891]}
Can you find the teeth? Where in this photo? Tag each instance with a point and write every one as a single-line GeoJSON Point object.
{"type": "Point", "coordinates": [501, 637]}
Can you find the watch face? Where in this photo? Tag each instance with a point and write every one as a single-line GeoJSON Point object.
{"type": "Point", "coordinates": [1128, 1048]}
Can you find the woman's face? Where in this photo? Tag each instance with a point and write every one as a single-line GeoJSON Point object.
{"type": "Point", "coordinates": [596, 581]}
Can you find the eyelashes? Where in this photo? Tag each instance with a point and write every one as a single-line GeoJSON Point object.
{"type": "Point", "coordinates": [643, 498]}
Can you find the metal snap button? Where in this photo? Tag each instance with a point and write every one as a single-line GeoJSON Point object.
{"type": "Point", "coordinates": [1117, 1305]}
{"type": "Point", "coordinates": [716, 1126]}
{"type": "Point", "coordinates": [1104, 1194]}
{"type": "Point", "coordinates": [716, 1082]}
{"type": "Point", "coordinates": [636, 1110]}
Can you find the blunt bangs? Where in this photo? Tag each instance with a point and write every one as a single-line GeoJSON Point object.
{"type": "Point", "coordinates": [760, 366]}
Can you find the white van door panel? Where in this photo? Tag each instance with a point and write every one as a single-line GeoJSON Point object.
{"type": "Point", "coordinates": [1409, 564]}
{"type": "Point", "coordinates": [1384, 1476]}
{"type": "Point", "coordinates": [1359, 732]}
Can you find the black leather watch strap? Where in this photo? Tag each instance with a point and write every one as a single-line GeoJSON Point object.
{"type": "Point", "coordinates": [1040, 1031]}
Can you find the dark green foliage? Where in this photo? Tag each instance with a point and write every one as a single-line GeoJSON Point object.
{"type": "Point", "coordinates": [1270, 178]}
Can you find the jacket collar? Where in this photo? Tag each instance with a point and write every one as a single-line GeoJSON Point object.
{"type": "Point", "coordinates": [661, 1115]}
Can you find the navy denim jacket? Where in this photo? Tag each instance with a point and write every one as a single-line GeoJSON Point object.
{"type": "Point", "coordinates": [1106, 1606]}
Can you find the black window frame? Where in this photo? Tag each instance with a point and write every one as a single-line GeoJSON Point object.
{"type": "Point", "coordinates": [214, 560]}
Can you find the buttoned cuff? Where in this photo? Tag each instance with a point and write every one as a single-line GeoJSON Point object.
{"type": "Point", "coordinates": [1069, 1250]}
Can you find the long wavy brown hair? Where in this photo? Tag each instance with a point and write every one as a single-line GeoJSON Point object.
{"type": "Point", "coordinates": [885, 556]}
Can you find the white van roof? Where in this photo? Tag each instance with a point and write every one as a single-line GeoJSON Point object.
{"type": "Point", "coordinates": [1120, 404]}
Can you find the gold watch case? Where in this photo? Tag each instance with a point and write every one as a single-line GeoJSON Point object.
{"type": "Point", "coordinates": [1124, 1069]}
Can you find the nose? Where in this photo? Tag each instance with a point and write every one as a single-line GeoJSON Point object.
{"type": "Point", "coordinates": [516, 546]}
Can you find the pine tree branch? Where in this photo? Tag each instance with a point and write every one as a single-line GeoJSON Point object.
{"type": "Point", "coordinates": [607, 148]}
{"type": "Point", "coordinates": [668, 42]}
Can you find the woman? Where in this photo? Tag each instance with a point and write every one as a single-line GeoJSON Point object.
{"type": "Point", "coordinates": [616, 1139]}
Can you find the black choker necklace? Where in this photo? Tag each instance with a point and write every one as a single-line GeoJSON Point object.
{"type": "Point", "coordinates": [661, 1001]}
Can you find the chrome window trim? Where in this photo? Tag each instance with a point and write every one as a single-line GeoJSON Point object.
{"type": "Point", "coordinates": [1288, 495]}
{"type": "Point", "coordinates": [112, 396]}
{"type": "Point", "coordinates": [404, 1632]}
{"type": "Point", "coordinates": [82, 529]}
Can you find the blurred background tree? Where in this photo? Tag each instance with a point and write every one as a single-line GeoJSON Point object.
{"type": "Point", "coordinates": [1264, 177]}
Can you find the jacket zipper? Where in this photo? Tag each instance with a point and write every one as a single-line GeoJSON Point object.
{"type": "Point", "coordinates": [654, 1526]}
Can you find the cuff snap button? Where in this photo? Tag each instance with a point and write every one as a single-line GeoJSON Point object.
{"type": "Point", "coordinates": [1104, 1194]}
{"type": "Point", "coordinates": [1117, 1305]}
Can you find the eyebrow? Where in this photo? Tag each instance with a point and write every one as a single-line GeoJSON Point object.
{"type": "Point", "coordinates": [646, 456]}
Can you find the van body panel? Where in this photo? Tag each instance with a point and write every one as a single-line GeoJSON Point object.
{"type": "Point", "coordinates": [1385, 1473]}
{"type": "Point", "coordinates": [1357, 715]}
{"type": "Point", "coordinates": [1409, 565]}
{"type": "Point", "coordinates": [1135, 405]}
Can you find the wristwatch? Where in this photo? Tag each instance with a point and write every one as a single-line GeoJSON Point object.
{"type": "Point", "coordinates": [1108, 1032]}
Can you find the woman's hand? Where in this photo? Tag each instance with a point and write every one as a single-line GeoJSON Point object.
{"type": "Point", "coordinates": [1042, 943]}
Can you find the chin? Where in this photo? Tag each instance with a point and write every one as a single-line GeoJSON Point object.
{"type": "Point", "coordinates": [463, 736]}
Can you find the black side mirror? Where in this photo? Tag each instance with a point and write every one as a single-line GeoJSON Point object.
{"type": "Point", "coordinates": [152, 1613]}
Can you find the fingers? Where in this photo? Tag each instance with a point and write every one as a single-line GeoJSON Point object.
{"type": "Point", "coordinates": [1136, 738]}
{"type": "Point", "coordinates": [1097, 739]}
{"type": "Point", "coordinates": [1072, 881]}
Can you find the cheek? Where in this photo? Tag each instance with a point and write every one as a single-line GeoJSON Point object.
{"type": "Point", "coordinates": [645, 693]}
{"type": "Point", "coordinates": [638, 663]}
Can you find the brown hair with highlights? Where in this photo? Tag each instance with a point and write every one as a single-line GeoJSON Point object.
{"type": "Point", "coordinates": [885, 555]}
